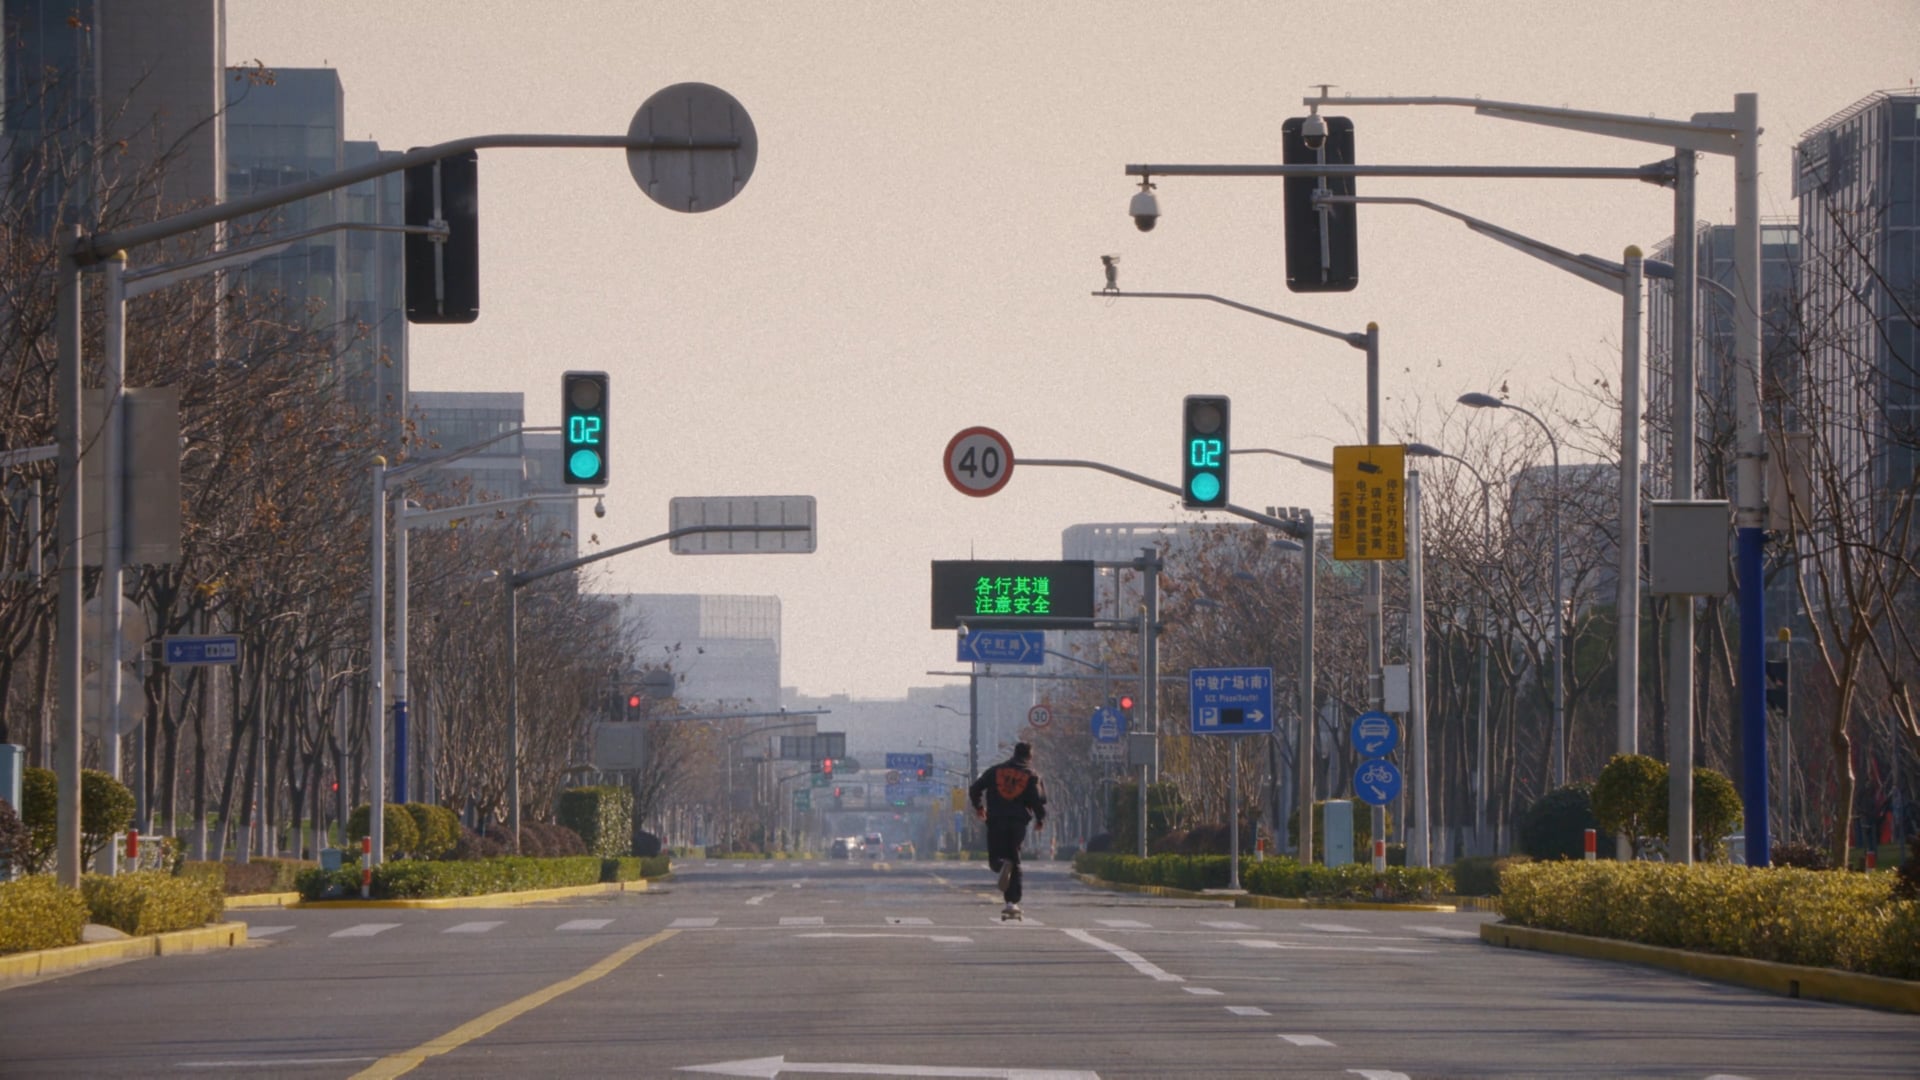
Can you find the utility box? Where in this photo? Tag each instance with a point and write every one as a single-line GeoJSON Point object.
{"type": "Point", "coordinates": [1336, 831]}
{"type": "Point", "coordinates": [13, 772]}
{"type": "Point", "coordinates": [1689, 545]}
{"type": "Point", "coordinates": [1143, 750]}
{"type": "Point", "coordinates": [330, 859]}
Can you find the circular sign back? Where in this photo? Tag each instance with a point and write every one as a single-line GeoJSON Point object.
{"type": "Point", "coordinates": [1039, 716]}
{"type": "Point", "coordinates": [978, 461]}
{"type": "Point", "coordinates": [690, 179]}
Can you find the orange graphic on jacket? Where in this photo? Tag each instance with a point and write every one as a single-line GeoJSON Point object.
{"type": "Point", "coordinates": [1011, 783]}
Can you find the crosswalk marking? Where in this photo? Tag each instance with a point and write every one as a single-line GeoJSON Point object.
{"type": "Point", "coordinates": [693, 923]}
{"type": "Point", "coordinates": [908, 920]}
{"type": "Point", "coordinates": [471, 928]}
{"type": "Point", "coordinates": [1203, 991]}
{"type": "Point", "coordinates": [1332, 928]}
{"type": "Point", "coordinates": [266, 931]}
{"type": "Point", "coordinates": [1248, 1010]}
{"type": "Point", "coordinates": [803, 920]}
{"type": "Point", "coordinates": [365, 929]}
{"type": "Point", "coordinates": [1226, 924]}
{"type": "Point", "coordinates": [1122, 924]}
{"type": "Point", "coordinates": [1446, 931]}
{"type": "Point", "coordinates": [1378, 1074]}
{"type": "Point", "coordinates": [1306, 1040]}
{"type": "Point", "coordinates": [583, 924]}
{"type": "Point", "coordinates": [1263, 943]}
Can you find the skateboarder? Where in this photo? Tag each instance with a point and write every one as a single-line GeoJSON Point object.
{"type": "Point", "coordinates": [1006, 797]}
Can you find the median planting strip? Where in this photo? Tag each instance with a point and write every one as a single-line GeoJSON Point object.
{"type": "Point", "coordinates": [486, 900]}
{"type": "Point", "coordinates": [1251, 900]}
{"type": "Point", "coordinates": [40, 963]}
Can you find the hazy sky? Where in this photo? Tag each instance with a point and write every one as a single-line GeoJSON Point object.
{"type": "Point", "coordinates": [915, 250]}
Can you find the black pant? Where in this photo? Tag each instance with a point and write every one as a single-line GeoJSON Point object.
{"type": "Point", "coordinates": [1004, 837]}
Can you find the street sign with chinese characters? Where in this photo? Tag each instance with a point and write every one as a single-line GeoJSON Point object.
{"type": "Point", "coordinates": [1012, 594]}
{"type": "Point", "coordinates": [1230, 701]}
{"type": "Point", "coordinates": [1369, 502]}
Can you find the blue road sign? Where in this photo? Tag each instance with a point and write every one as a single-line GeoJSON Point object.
{"type": "Point", "coordinates": [1377, 782]}
{"type": "Point", "coordinates": [198, 651]}
{"type": "Point", "coordinates": [909, 761]}
{"type": "Point", "coordinates": [1109, 725]}
{"type": "Point", "coordinates": [1003, 647]}
{"type": "Point", "coordinates": [1230, 701]}
{"type": "Point", "coordinates": [1375, 734]}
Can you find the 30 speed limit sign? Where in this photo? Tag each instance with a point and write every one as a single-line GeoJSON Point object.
{"type": "Point", "coordinates": [1039, 716]}
{"type": "Point", "coordinates": [979, 461]}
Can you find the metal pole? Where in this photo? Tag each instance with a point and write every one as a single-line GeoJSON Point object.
{"type": "Point", "coordinates": [400, 740]}
{"type": "Point", "coordinates": [1750, 444]}
{"type": "Point", "coordinates": [973, 724]}
{"type": "Point", "coordinates": [1419, 842]}
{"type": "Point", "coordinates": [1680, 630]}
{"type": "Point", "coordinates": [1150, 672]}
{"type": "Point", "coordinates": [1233, 812]}
{"type": "Point", "coordinates": [1376, 627]}
{"type": "Point", "coordinates": [1559, 629]}
{"type": "Point", "coordinates": [1309, 716]}
{"type": "Point", "coordinates": [71, 575]}
{"type": "Point", "coordinates": [377, 670]}
{"type": "Point", "coordinates": [1481, 840]}
{"type": "Point", "coordinates": [112, 517]}
{"type": "Point", "coordinates": [1627, 594]}
{"type": "Point", "coordinates": [513, 711]}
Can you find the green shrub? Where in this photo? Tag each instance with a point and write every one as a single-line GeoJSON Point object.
{"type": "Point", "coordinates": [205, 870]}
{"type": "Point", "coordinates": [602, 816]}
{"type": "Point", "coordinates": [1555, 825]}
{"type": "Point", "coordinates": [14, 839]}
{"type": "Point", "coordinates": [544, 840]}
{"type": "Point", "coordinates": [1786, 915]}
{"type": "Point", "coordinates": [1282, 876]}
{"type": "Point", "coordinates": [401, 835]}
{"type": "Point", "coordinates": [1479, 875]}
{"type": "Point", "coordinates": [39, 812]}
{"type": "Point", "coordinates": [633, 867]}
{"type": "Point", "coordinates": [151, 902]}
{"type": "Point", "coordinates": [325, 885]}
{"type": "Point", "coordinates": [414, 879]}
{"type": "Point", "coordinates": [1628, 796]}
{"type": "Point", "coordinates": [39, 913]}
{"type": "Point", "coordinates": [1123, 812]}
{"type": "Point", "coordinates": [435, 828]}
{"type": "Point", "coordinates": [106, 807]}
{"type": "Point", "coordinates": [257, 875]}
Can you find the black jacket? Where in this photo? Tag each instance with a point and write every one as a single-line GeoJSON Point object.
{"type": "Point", "coordinates": [1011, 789]}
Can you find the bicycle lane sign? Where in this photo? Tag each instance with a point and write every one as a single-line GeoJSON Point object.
{"type": "Point", "coordinates": [1377, 781]}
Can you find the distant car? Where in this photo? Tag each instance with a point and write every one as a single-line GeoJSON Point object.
{"type": "Point", "coordinates": [904, 849]}
{"type": "Point", "coordinates": [876, 845]}
{"type": "Point", "coordinates": [840, 850]}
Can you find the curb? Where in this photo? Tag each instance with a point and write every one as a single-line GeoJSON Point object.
{"type": "Point", "coordinates": [244, 901]}
{"type": "Point", "coordinates": [1786, 980]}
{"type": "Point", "coordinates": [485, 900]}
{"type": "Point", "coordinates": [34, 965]}
{"type": "Point", "coordinates": [1249, 900]}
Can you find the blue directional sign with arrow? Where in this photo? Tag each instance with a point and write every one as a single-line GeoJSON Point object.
{"type": "Point", "coordinates": [1377, 782]}
{"type": "Point", "coordinates": [1375, 734]}
{"type": "Point", "coordinates": [1230, 701]}
{"type": "Point", "coordinates": [1003, 647]}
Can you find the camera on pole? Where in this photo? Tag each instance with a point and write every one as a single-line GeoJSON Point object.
{"type": "Point", "coordinates": [443, 272]}
{"type": "Point", "coordinates": [1323, 245]}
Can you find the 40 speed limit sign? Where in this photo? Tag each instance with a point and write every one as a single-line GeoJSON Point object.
{"type": "Point", "coordinates": [979, 461]}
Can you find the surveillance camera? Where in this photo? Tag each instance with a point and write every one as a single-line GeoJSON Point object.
{"type": "Point", "coordinates": [963, 630]}
{"type": "Point", "coordinates": [1145, 209]}
{"type": "Point", "coordinates": [600, 508]}
{"type": "Point", "coordinates": [1313, 131]}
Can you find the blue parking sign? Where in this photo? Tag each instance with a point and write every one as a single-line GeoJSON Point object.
{"type": "Point", "coordinates": [1230, 701]}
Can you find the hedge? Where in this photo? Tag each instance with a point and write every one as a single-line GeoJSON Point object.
{"type": "Point", "coordinates": [38, 913]}
{"type": "Point", "coordinates": [413, 879]}
{"type": "Point", "coordinates": [1272, 877]}
{"type": "Point", "coordinates": [1848, 921]}
{"type": "Point", "coordinates": [603, 816]}
{"type": "Point", "coordinates": [257, 875]}
{"type": "Point", "coordinates": [151, 901]}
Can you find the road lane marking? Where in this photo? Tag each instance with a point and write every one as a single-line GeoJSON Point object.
{"type": "Point", "coordinates": [1203, 991]}
{"type": "Point", "coordinates": [1306, 1040]}
{"type": "Point", "coordinates": [1263, 943]}
{"type": "Point", "coordinates": [946, 938]}
{"type": "Point", "coordinates": [584, 924]}
{"type": "Point", "coordinates": [754, 901]}
{"type": "Point", "coordinates": [406, 1061]}
{"type": "Point", "coordinates": [1378, 1074]}
{"type": "Point", "coordinates": [694, 923]}
{"type": "Point", "coordinates": [266, 931]}
{"type": "Point", "coordinates": [803, 920]}
{"type": "Point", "coordinates": [1451, 932]}
{"type": "Point", "coordinates": [1226, 924]}
{"type": "Point", "coordinates": [1332, 928]}
{"type": "Point", "coordinates": [1248, 1010]}
{"type": "Point", "coordinates": [269, 1063]}
{"type": "Point", "coordinates": [1133, 959]}
{"type": "Point", "coordinates": [909, 920]}
{"type": "Point", "coordinates": [774, 1066]}
{"type": "Point", "coordinates": [365, 929]}
{"type": "Point", "coordinates": [1123, 924]}
{"type": "Point", "coordinates": [472, 927]}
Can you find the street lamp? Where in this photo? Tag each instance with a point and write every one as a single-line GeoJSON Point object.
{"type": "Point", "coordinates": [1488, 401]}
{"type": "Point", "coordinates": [1420, 449]}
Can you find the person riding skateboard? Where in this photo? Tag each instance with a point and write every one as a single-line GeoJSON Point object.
{"type": "Point", "coordinates": [1007, 796]}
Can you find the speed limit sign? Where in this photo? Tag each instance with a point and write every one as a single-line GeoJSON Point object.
{"type": "Point", "coordinates": [1039, 716]}
{"type": "Point", "coordinates": [979, 461]}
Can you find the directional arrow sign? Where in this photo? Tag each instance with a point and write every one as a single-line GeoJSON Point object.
{"type": "Point", "coordinates": [1376, 782]}
{"type": "Point", "coordinates": [1375, 734]}
{"type": "Point", "coordinates": [1003, 647]}
{"type": "Point", "coordinates": [1230, 701]}
{"type": "Point", "coordinates": [771, 1067]}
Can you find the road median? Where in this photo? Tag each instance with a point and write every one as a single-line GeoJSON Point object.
{"type": "Point", "coordinates": [486, 900]}
{"type": "Point", "coordinates": [21, 967]}
{"type": "Point", "coordinates": [1253, 900]}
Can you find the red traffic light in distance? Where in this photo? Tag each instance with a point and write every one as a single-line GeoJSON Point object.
{"type": "Point", "coordinates": [633, 701]}
{"type": "Point", "coordinates": [1126, 701]}
{"type": "Point", "coordinates": [826, 766]}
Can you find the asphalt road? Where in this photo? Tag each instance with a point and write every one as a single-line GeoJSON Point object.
{"type": "Point", "coordinates": [856, 969]}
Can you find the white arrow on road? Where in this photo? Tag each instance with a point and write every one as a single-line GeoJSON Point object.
{"type": "Point", "coordinates": [769, 1068]}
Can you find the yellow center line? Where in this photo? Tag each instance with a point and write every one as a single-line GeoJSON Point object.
{"type": "Point", "coordinates": [407, 1060]}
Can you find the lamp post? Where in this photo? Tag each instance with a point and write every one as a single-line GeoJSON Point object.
{"type": "Point", "coordinates": [1488, 401]}
{"type": "Point", "coordinates": [1420, 449]}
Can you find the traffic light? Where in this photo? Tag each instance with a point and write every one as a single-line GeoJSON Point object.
{"type": "Point", "coordinates": [443, 273]}
{"type": "Point", "coordinates": [836, 792]}
{"type": "Point", "coordinates": [1779, 685]}
{"type": "Point", "coordinates": [1323, 243]}
{"type": "Point", "coordinates": [920, 773]}
{"type": "Point", "coordinates": [826, 766]}
{"type": "Point", "coordinates": [1204, 453]}
{"type": "Point", "coordinates": [583, 419]}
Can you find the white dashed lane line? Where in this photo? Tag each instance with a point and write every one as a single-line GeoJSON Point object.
{"type": "Point", "coordinates": [803, 920]}
{"type": "Point", "coordinates": [1226, 924]}
{"type": "Point", "coordinates": [909, 920]}
{"type": "Point", "coordinates": [583, 924]}
{"type": "Point", "coordinates": [366, 929]}
{"type": "Point", "coordinates": [1133, 959]}
{"type": "Point", "coordinates": [471, 928]}
{"type": "Point", "coordinates": [1203, 991]}
{"type": "Point", "coordinates": [1122, 924]}
{"type": "Point", "coordinates": [1446, 931]}
{"type": "Point", "coordinates": [1332, 928]}
{"type": "Point", "coordinates": [1248, 1010]}
{"type": "Point", "coordinates": [693, 923]}
{"type": "Point", "coordinates": [1306, 1040]}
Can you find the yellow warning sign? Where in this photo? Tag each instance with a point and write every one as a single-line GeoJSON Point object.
{"type": "Point", "coordinates": [1369, 502]}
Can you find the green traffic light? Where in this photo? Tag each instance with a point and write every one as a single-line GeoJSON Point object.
{"type": "Point", "coordinates": [1205, 486]}
{"type": "Point", "coordinates": [583, 465]}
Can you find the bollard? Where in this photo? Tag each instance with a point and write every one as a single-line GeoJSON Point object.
{"type": "Point", "coordinates": [1870, 860]}
{"type": "Point", "coordinates": [1592, 844]}
{"type": "Point", "coordinates": [1260, 850]}
{"type": "Point", "coordinates": [1379, 856]}
{"type": "Point", "coordinates": [133, 847]}
{"type": "Point", "coordinates": [366, 868]}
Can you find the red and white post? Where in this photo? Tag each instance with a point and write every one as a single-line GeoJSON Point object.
{"type": "Point", "coordinates": [366, 868]}
{"type": "Point", "coordinates": [1592, 844]}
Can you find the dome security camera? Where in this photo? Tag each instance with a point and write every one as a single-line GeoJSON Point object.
{"type": "Point", "coordinates": [1145, 208]}
{"type": "Point", "coordinates": [1313, 131]}
{"type": "Point", "coordinates": [600, 508]}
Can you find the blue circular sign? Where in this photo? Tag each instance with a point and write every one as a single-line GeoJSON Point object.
{"type": "Point", "coordinates": [1374, 734]}
{"type": "Point", "coordinates": [1377, 782]}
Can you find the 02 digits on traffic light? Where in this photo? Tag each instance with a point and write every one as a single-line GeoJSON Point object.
{"type": "Point", "coordinates": [1204, 452]}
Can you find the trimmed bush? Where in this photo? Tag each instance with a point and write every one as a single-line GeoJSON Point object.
{"type": "Point", "coordinates": [254, 875]}
{"type": "Point", "coordinates": [436, 830]}
{"type": "Point", "coordinates": [401, 835]}
{"type": "Point", "coordinates": [633, 868]}
{"type": "Point", "coordinates": [545, 840]}
{"type": "Point", "coordinates": [39, 812]}
{"type": "Point", "coordinates": [1273, 877]}
{"type": "Point", "coordinates": [1555, 825]}
{"type": "Point", "coordinates": [38, 913]}
{"type": "Point", "coordinates": [602, 817]}
{"type": "Point", "coordinates": [13, 839]}
{"type": "Point", "coordinates": [1123, 813]}
{"type": "Point", "coordinates": [645, 844]}
{"type": "Point", "coordinates": [205, 870]}
{"type": "Point", "coordinates": [1479, 875]}
{"type": "Point", "coordinates": [1803, 855]}
{"type": "Point", "coordinates": [106, 807]}
{"type": "Point", "coordinates": [472, 845]}
{"type": "Point", "coordinates": [151, 902]}
{"type": "Point", "coordinates": [1786, 915]}
{"type": "Point", "coordinates": [1627, 796]}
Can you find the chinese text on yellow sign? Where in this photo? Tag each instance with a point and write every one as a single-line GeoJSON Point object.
{"type": "Point", "coordinates": [1369, 502]}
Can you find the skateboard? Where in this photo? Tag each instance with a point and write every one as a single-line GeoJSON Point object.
{"type": "Point", "coordinates": [1013, 915]}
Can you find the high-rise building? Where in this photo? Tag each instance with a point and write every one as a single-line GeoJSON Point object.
{"type": "Point", "coordinates": [515, 466]}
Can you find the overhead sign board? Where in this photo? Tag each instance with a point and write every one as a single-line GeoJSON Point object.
{"type": "Point", "coordinates": [200, 651]}
{"type": "Point", "coordinates": [909, 761]}
{"type": "Point", "coordinates": [1230, 701]}
{"type": "Point", "coordinates": [1003, 647]}
{"type": "Point", "coordinates": [1369, 502]}
{"type": "Point", "coordinates": [743, 512]}
{"type": "Point", "coordinates": [1012, 595]}
{"type": "Point", "coordinates": [814, 748]}
{"type": "Point", "coordinates": [1375, 734]}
